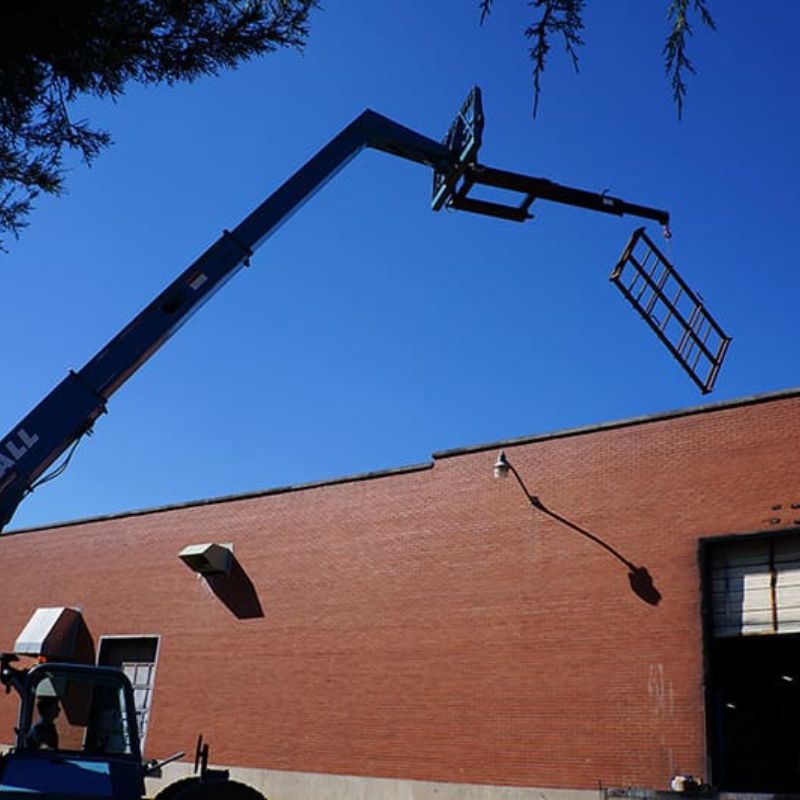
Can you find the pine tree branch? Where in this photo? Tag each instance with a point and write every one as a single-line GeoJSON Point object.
{"type": "Point", "coordinates": [54, 53]}
{"type": "Point", "coordinates": [559, 17]}
{"type": "Point", "coordinates": [676, 61]}
{"type": "Point", "coordinates": [565, 18]}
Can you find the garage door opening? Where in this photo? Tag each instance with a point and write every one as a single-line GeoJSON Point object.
{"type": "Point", "coordinates": [754, 664]}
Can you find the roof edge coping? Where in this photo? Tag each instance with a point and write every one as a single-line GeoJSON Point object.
{"type": "Point", "coordinates": [228, 498]}
{"type": "Point", "coordinates": [623, 423]}
{"type": "Point", "coordinates": [436, 456]}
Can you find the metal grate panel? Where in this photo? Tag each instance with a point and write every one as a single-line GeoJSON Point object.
{"type": "Point", "coordinates": [140, 674]}
{"type": "Point", "coordinates": [676, 314]}
{"type": "Point", "coordinates": [136, 657]}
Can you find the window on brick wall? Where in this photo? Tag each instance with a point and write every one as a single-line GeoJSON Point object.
{"type": "Point", "coordinates": [136, 656]}
{"type": "Point", "coordinates": [756, 587]}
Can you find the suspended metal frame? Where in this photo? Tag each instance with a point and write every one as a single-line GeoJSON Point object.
{"type": "Point", "coordinates": [676, 314]}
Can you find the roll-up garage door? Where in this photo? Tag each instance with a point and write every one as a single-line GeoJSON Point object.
{"type": "Point", "coordinates": [756, 587]}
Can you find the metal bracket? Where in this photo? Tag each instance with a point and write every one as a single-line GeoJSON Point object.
{"type": "Point", "coordinates": [463, 140]}
{"type": "Point", "coordinates": [248, 252]}
{"type": "Point", "coordinates": [452, 186]}
{"type": "Point", "coordinates": [531, 188]}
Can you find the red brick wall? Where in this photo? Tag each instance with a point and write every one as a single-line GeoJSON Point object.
{"type": "Point", "coordinates": [431, 624]}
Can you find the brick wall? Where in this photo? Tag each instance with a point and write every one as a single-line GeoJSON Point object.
{"type": "Point", "coordinates": [430, 624]}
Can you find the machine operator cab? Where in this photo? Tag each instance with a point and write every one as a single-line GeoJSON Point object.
{"type": "Point", "coordinates": [76, 734]}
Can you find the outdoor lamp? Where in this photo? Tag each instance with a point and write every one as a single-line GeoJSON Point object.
{"type": "Point", "coordinates": [501, 469]}
{"type": "Point", "coordinates": [501, 465]}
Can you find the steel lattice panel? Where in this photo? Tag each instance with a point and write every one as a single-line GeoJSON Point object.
{"type": "Point", "coordinates": [677, 314]}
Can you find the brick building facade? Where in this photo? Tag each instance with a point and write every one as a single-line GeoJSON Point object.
{"type": "Point", "coordinates": [429, 624]}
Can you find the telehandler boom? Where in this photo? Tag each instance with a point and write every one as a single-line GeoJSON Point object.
{"type": "Point", "coordinates": [70, 410]}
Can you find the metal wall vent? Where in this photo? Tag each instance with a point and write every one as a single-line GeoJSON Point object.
{"type": "Point", "coordinates": [208, 559]}
{"type": "Point", "coordinates": [50, 632]}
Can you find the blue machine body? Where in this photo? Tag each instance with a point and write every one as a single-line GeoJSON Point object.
{"type": "Point", "coordinates": [49, 777]}
{"type": "Point", "coordinates": [100, 759]}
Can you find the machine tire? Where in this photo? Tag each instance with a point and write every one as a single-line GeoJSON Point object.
{"type": "Point", "coordinates": [195, 789]}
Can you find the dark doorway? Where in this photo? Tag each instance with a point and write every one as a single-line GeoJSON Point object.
{"type": "Point", "coordinates": [755, 712]}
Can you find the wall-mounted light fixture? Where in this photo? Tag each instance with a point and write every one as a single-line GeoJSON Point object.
{"type": "Point", "coordinates": [501, 469]}
{"type": "Point", "coordinates": [501, 465]}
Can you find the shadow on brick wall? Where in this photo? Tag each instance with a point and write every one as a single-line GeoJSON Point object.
{"type": "Point", "coordinates": [236, 591]}
{"type": "Point", "coordinates": [639, 578]}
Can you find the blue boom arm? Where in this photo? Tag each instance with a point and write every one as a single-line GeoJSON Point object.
{"type": "Point", "coordinates": [70, 410]}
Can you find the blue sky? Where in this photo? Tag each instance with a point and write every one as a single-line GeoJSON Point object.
{"type": "Point", "coordinates": [370, 332]}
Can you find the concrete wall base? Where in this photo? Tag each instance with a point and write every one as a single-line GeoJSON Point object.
{"type": "Point", "coordinates": [280, 785]}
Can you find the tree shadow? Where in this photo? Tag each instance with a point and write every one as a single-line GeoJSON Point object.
{"type": "Point", "coordinates": [236, 591]}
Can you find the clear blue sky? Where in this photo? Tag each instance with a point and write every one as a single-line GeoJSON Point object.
{"type": "Point", "coordinates": [370, 332]}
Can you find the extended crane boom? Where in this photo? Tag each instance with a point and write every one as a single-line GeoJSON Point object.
{"type": "Point", "coordinates": [72, 407]}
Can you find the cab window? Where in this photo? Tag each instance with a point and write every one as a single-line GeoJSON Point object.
{"type": "Point", "coordinates": [78, 713]}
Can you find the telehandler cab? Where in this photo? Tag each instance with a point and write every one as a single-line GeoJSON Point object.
{"type": "Point", "coordinates": [77, 738]}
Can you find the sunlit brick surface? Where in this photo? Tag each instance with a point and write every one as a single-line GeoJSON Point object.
{"type": "Point", "coordinates": [430, 624]}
